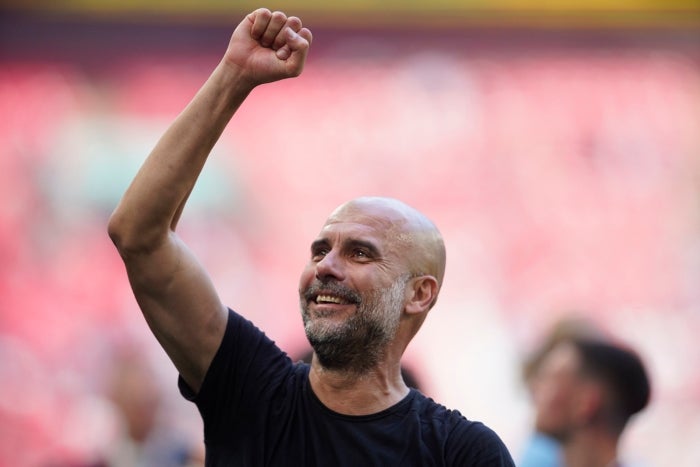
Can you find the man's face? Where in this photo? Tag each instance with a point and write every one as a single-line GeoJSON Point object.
{"type": "Point", "coordinates": [556, 390]}
{"type": "Point", "coordinates": [352, 292]}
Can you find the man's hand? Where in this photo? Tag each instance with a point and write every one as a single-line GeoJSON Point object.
{"type": "Point", "coordinates": [268, 46]}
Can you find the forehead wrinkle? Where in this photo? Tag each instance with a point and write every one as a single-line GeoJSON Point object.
{"type": "Point", "coordinates": [390, 228]}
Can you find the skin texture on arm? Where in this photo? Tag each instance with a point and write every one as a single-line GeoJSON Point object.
{"type": "Point", "coordinates": [172, 289]}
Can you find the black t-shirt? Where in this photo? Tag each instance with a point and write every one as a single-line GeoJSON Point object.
{"type": "Point", "coordinates": [258, 409]}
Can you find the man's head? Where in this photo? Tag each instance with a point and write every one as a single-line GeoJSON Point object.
{"type": "Point", "coordinates": [375, 270]}
{"type": "Point", "coordinates": [584, 383]}
{"type": "Point", "coordinates": [570, 326]}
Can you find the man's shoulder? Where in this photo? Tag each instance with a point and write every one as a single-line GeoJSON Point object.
{"type": "Point", "coordinates": [429, 409]}
{"type": "Point", "coordinates": [437, 416]}
{"type": "Point", "coordinates": [469, 438]}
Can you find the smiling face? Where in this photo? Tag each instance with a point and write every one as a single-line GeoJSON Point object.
{"type": "Point", "coordinates": [353, 340]}
{"type": "Point", "coordinates": [354, 289]}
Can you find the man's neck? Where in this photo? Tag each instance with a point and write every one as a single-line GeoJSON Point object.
{"type": "Point", "coordinates": [591, 449]}
{"type": "Point", "coordinates": [353, 394]}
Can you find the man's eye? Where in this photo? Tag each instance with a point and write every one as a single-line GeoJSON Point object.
{"type": "Point", "coordinates": [361, 254]}
{"type": "Point", "coordinates": [319, 254]}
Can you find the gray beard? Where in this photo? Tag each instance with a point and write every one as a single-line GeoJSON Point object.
{"type": "Point", "coordinates": [356, 345]}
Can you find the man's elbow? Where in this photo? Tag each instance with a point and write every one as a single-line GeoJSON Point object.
{"type": "Point", "coordinates": [115, 226]}
{"type": "Point", "coordinates": [118, 231]}
{"type": "Point", "coordinates": [129, 236]}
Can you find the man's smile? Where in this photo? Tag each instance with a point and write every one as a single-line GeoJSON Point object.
{"type": "Point", "coordinates": [321, 299]}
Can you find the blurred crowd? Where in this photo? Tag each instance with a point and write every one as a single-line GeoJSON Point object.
{"type": "Point", "coordinates": [560, 179]}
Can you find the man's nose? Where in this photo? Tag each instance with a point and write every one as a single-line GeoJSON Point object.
{"type": "Point", "coordinates": [330, 267]}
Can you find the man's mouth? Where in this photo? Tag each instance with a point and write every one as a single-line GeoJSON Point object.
{"type": "Point", "coordinates": [331, 294]}
{"type": "Point", "coordinates": [321, 299]}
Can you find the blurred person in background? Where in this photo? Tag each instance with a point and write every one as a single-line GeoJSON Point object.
{"type": "Point", "coordinates": [374, 273]}
{"type": "Point", "coordinates": [145, 439]}
{"type": "Point", "coordinates": [586, 390]}
{"type": "Point", "coordinates": [542, 450]}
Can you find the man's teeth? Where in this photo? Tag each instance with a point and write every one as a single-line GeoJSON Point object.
{"type": "Point", "coordinates": [330, 299]}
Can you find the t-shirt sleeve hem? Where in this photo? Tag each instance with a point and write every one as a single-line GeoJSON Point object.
{"type": "Point", "coordinates": [185, 390]}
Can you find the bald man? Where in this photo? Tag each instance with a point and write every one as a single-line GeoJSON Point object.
{"type": "Point", "coordinates": [374, 271]}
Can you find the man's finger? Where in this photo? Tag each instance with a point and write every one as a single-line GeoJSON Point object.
{"type": "Point", "coordinates": [260, 18]}
{"type": "Point", "coordinates": [274, 27]}
{"type": "Point", "coordinates": [295, 49]}
{"type": "Point", "coordinates": [306, 34]}
{"type": "Point", "coordinates": [294, 42]}
{"type": "Point", "coordinates": [283, 52]}
{"type": "Point", "coordinates": [292, 23]}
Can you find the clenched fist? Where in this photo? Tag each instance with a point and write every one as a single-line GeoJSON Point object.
{"type": "Point", "coordinates": [268, 46]}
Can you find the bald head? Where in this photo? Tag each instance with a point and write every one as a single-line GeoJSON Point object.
{"type": "Point", "coordinates": [409, 232]}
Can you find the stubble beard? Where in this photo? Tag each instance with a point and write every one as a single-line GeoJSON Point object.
{"type": "Point", "coordinates": [357, 344]}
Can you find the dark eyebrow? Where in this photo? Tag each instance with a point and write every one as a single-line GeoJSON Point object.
{"type": "Point", "coordinates": [347, 245]}
{"type": "Point", "coordinates": [369, 246]}
{"type": "Point", "coordinates": [316, 244]}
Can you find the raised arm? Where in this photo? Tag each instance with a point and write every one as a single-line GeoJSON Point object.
{"type": "Point", "coordinates": [172, 289]}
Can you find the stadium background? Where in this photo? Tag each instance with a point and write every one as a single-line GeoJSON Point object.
{"type": "Point", "coordinates": [556, 144]}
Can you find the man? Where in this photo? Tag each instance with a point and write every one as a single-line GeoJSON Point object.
{"type": "Point", "coordinates": [373, 274]}
{"type": "Point", "coordinates": [540, 449]}
{"type": "Point", "coordinates": [585, 392]}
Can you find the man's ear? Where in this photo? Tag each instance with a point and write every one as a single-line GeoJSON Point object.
{"type": "Point", "coordinates": [423, 292]}
{"type": "Point", "coordinates": [590, 401]}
